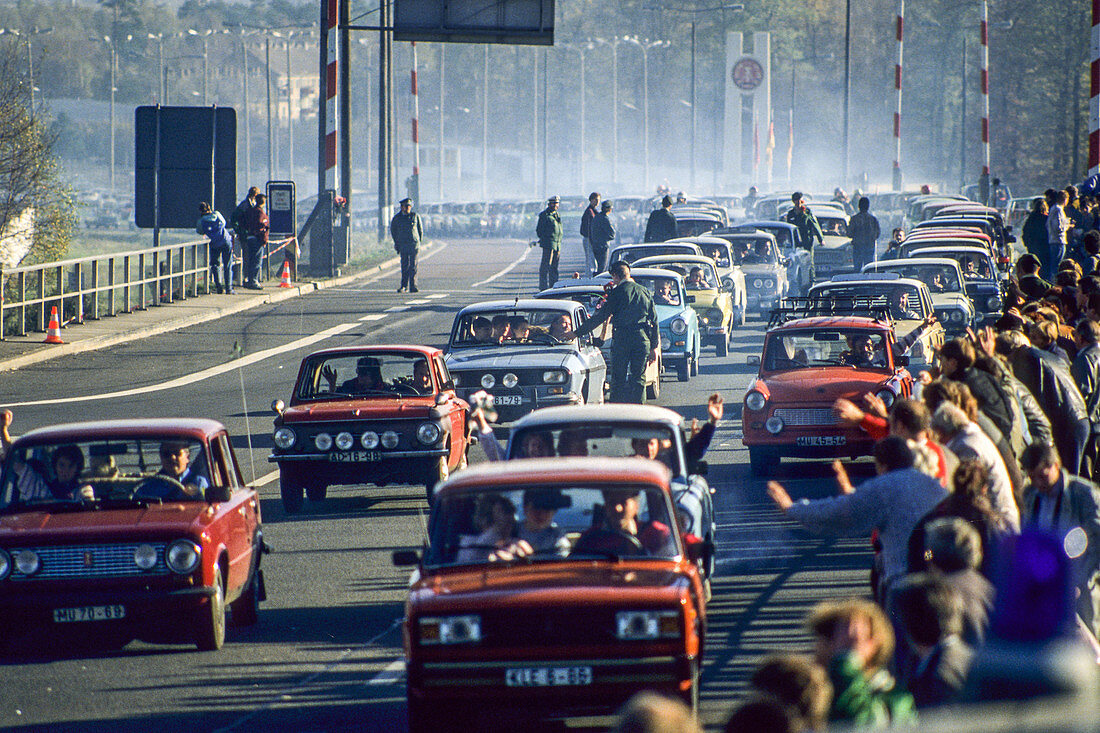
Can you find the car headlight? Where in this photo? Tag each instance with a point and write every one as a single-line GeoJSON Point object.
{"type": "Point", "coordinates": [323, 441]}
{"type": "Point", "coordinates": [957, 316]}
{"type": "Point", "coordinates": [666, 344]}
{"type": "Point", "coordinates": [5, 564]}
{"type": "Point", "coordinates": [678, 326]}
{"type": "Point", "coordinates": [450, 629]}
{"type": "Point", "coordinates": [758, 283]}
{"type": "Point", "coordinates": [769, 283]}
{"type": "Point", "coordinates": [635, 625]}
{"type": "Point", "coordinates": [774, 425]}
{"type": "Point", "coordinates": [369, 440]}
{"type": "Point", "coordinates": [145, 556]}
{"type": "Point", "coordinates": [727, 283]}
{"type": "Point", "coordinates": [488, 381]}
{"type": "Point", "coordinates": [182, 556]}
{"type": "Point", "coordinates": [715, 316]}
{"type": "Point", "coordinates": [555, 376]}
{"type": "Point", "coordinates": [755, 400]}
{"type": "Point", "coordinates": [389, 439]}
{"type": "Point", "coordinates": [887, 396]}
{"type": "Point", "coordinates": [345, 440]}
{"type": "Point", "coordinates": [510, 380]}
{"type": "Point", "coordinates": [285, 438]}
{"type": "Point", "coordinates": [994, 303]}
{"type": "Point", "coordinates": [27, 562]}
{"type": "Point", "coordinates": [428, 433]}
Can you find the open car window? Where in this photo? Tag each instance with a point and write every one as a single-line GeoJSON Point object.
{"type": "Point", "coordinates": [86, 473]}
{"type": "Point", "coordinates": [793, 350]}
{"type": "Point", "coordinates": [720, 253]}
{"type": "Point", "coordinates": [559, 523]}
{"type": "Point", "coordinates": [365, 374]}
{"type": "Point", "coordinates": [904, 302]}
{"type": "Point", "coordinates": [511, 327]}
{"type": "Point", "coordinates": [696, 276]}
{"type": "Point", "coordinates": [833, 226]}
{"type": "Point", "coordinates": [666, 290]}
{"type": "Point", "coordinates": [938, 278]}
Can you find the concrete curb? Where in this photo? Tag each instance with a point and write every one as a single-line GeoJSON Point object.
{"type": "Point", "coordinates": [49, 351]}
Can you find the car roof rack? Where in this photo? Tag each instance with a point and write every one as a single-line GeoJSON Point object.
{"type": "Point", "coordinates": [868, 306]}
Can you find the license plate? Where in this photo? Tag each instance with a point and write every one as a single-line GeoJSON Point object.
{"type": "Point", "coordinates": [821, 440]}
{"type": "Point", "coordinates": [354, 456]}
{"type": "Point", "coordinates": [508, 399]}
{"type": "Point", "coordinates": [88, 613]}
{"type": "Point", "coordinates": [547, 676]}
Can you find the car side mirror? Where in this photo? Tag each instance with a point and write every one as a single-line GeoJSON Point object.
{"type": "Point", "coordinates": [690, 298]}
{"type": "Point", "coordinates": [701, 468]}
{"type": "Point", "coordinates": [406, 558]}
{"type": "Point", "coordinates": [278, 406]}
{"type": "Point", "coordinates": [441, 398]}
{"type": "Point", "coordinates": [597, 341]}
{"type": "Point", "coordinates": [1011, 238]}
{"type": "Point", "coordinates": [901, 360]}
{"type": "Point", "coordinates": [449, 384]}
{"type": "Point", "coordinates": [216, 494]}
{"type": "Point", "coordinates": [752, 360]}
{"type": "Point", "coordinates": [785, 261]}
{"type": "Point", "coordinates": [696, 549]}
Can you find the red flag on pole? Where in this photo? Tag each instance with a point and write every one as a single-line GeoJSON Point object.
{"type": "Point", "coordinates": [755, 147]}
{"type": "Point", "coordinates": [790, 141]}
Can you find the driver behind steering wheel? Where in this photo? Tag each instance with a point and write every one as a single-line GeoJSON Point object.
{"type": "Point", "coordinates": [621, 531]}
{"type": "Point", "coordinates": [175, 463]}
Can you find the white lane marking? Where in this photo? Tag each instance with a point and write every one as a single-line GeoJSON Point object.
{"type": "Point", "coordinates": [394, 672]}
{"type": "Point", "coordinates": [397, 308]}
{"type": "Point", "coordinates": [506, 270]}
{"type": "Point", "coordinates": [418, 301]}
{"type": "Point", "coordinates": [204, 374]}
{"type": "Point", "coordinates": [373, 317]}
{"type": "Point", "coordinates": [435, 296]}
{"type": "Point", "coordinates": [266, 478]}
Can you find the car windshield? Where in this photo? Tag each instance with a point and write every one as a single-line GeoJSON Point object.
{"type": "Point", "coordinates": [633, 254]}
{"type": "Point", "coordinates": [782, 236]}
{"type": "Point", "coordinates": [974, 266]}
{"type": "Point", "coordinates": [665, 289]}
{"type": "Point", "coordinates": [791, 350]}
{"type": "Point", "coordinates": [695, 227]}
{"type": "Point", "coordinates": [511, 327]}
{"type": "Point", "coordinates": [554, 524]}
{"type": "Point", "coordinates": [655, 441]}
{"type": "Point", "coordinates": [903, 301]}
{"type": "Point", "coordinates": [696, 276]}
{"type": "Point", "coordinates": [84, 474]}
{"type": "Point", "coordinates": [365, 374]}
{"type": "Point", "coordinates": [755, 252]}
{"type": "Point", "coordinates": [720, 253]}
{"type": "Point", "coordinates": [834, 226]}
{"type": "Point", "coordinates": [590, 299]}
{"type": "Point", "coordinates": [938, 278]}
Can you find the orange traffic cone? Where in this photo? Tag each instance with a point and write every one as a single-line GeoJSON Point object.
{"type": "Point", "coordinates": [53, 331]}
{"type": "Point", "coordinates": [286, 275]}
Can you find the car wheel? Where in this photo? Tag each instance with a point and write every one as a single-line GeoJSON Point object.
{"type": "Point", "coordinates": [317, 493]}
{"type": "Point", "coordinates": [653, 391]}
{"type": "Point", "coordinates": [291, 490]}
{"type": "Point", "coordinates": [683, 369]}
{"type": "Point", "coordinates": [761, 461]}
{"type": "Point", "coordinates": [695, 361]}
{"type": "Point", "coordinates": [210, 634]}
{"type": "Point", "coordinates": [437, 473]}
{"type": "Point", "coordinates": [245, 611]}
{"type": "Point", "coordinates": [722, 348]}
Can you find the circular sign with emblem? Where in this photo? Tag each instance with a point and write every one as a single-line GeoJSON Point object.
{"type": "Point", "coordinates": [747, 74]}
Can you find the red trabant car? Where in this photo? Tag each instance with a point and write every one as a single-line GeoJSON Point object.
{"type": "Point", "coordinates": [806, 365]}
{"type": "Point", "coordinates": [128, 529]}
{"type": "Point", "coordinates": [551, 588]}
{"type": "Point", "coordinates": [368, 414]}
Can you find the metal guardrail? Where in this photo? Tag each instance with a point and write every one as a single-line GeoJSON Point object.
{"type": "Point", "coordinates": [104, 285]}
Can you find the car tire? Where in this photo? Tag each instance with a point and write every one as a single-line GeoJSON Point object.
{"type": "Point", "coordinates": [437, 473]}
{"type": "Point", "coordinates": [317, 493]}
{"type": "Point", "coordinates": [695, 361]}
{"type": "Point", "coordinates": [761, 461]}
{"type": "Point", "coordinates": [291, 491]}
{"type": "Point", "coordinates": [245, 611]}
{"type": "Point", "coordinates": [653, 391]}
{"type": "Point", "coordinates": [683, 369]}
{"type": "Point", "coordinates": [210, 634]}
{"type": "Point", "coordinates": [722, 348]}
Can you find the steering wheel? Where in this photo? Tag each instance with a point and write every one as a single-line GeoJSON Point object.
{"type": "Point", "coordinates": [163, 488]}
{"type": "Point", "coordinates": [619, 543]}
{"type": "Point", "coordinates": [402, 388]}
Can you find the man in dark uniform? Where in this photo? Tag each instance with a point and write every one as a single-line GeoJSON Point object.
{"type": "Point", "coordinates": [601, 233]}
{"type": "Point", "coordinates": [586, 232]}
{"type": "Point", "coordinates": [661, 226]}
{"type": "Point", "coordinates": [808, 228]}
{"type": "Point", "coordinates": [407, 231]}
{"type": "Point", "coordinates": [548, 231]}
{"type": "Point", "coordinates": [636, 336]}
{"type": "Point", "coordinates": [864, 231]}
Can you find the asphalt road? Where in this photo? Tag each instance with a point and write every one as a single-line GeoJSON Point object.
{"type": "Point", "coordinates": [326, 654]}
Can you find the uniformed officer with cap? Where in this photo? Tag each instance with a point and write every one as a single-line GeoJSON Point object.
{"type": "Point", "coordinates": [548, 232]}
{"type": "Point", "coordinates": [407, 231]}
{"type": "Point", "coordinates": [636, 336]}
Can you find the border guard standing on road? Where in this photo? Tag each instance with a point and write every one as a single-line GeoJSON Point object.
{"type": "Point", "coordinates": [661, 225]}
{"type": "Point", "coordinates": [636, 336]}
{"type": "Point", "coordinates": [801, 216]}
{"type": "Point", "coordinates": [407, 231]}
{"type": "Point", "coordinates": [548, 231]}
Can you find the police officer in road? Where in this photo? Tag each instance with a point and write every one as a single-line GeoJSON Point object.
{"type": "Point", "coordinates": [548, 231]}
{"type": "Point", "coordinates": [661, 226]}
{"type": "Point", "coordinates": [600, 234]}
{"type": "Point", "coordinates": [407, 231]}
{"type": "Point", "coordinates": [636, 336]}
{"type": "Point", "coordinates": [808, 228]}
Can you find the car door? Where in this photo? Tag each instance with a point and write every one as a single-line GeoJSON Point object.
{"type": "Point", "coordinates": [456, 417]}
{"type": "Point", "coordinates": [593, 360]}
{"type": "Point", "coordinates": [239, 515]}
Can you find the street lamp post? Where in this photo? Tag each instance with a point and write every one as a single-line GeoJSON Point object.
{"type": "Point", "coordinates": [442, 86]}
{"type": "Point", "coordinates": [113, 71]}
{"type": "Point", "coordinates": [847, 86]}
{"type": "Point", "coordinates": [614, 44]}
{"type": "Point", "coordinates": [485, 126]}
{"type": "Point", "coordinates": [645, 44]}
{"type": "Point", "coordinates": [205, 36]}
{"type": "Point", "coordinates": [580, 49]}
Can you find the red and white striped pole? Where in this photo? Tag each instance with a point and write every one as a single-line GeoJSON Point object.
{"type": "Point", "coordinates": [414, 192]}
{"type": "Point", "coordinates": [899, 33]}
{"type": "Point", "coordinates": [1094, 93]}
{"type": "Point", "coordinates": [983, 183]}
{"type": "Point", "coordinates": [330, 93]}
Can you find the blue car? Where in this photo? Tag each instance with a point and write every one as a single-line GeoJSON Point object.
{"type": "Point", "coordinates": [677, 320]}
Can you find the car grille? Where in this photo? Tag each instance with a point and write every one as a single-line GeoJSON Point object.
{"type": "Point", "coordinates": [88, 561]}
{"type": "Point", "coordinates": [547, 626]}
{"type": "Point", "coordinates": [806, 416]}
